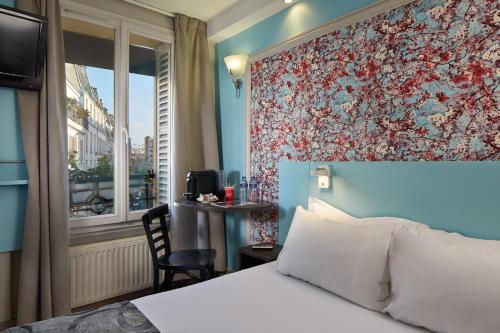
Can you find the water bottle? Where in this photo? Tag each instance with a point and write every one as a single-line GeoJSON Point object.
{"type": "Point", "coordinates": [243, 189]}
{"type": "Point", "coordinates": [252, 190]}
{"type": "Point", "coordinates": [222, 181]}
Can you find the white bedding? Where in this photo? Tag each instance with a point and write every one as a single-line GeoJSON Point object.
{"type": "Point", "coordinates": [261, 300]}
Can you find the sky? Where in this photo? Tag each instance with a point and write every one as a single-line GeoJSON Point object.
{"type": "Point", "coordinates": [141, 100]}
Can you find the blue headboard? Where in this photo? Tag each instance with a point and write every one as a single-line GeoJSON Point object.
{"type": "Point", "coordinates": [454, 196]}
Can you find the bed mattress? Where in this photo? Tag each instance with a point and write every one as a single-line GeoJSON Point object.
{"type": "Point", "coordinates": [261, 300]}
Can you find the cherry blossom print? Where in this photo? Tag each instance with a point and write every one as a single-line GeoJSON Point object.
{"type": "Point", "coordinates": [418, 83]}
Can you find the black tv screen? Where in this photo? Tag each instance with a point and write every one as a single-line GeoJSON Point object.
{"type": "Point", "coordinates": [23, 43]}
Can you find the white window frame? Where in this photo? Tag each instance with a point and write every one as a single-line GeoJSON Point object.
{"type": "Point", "coordinates": [122, 26]}
{"type": "Point", "coordinates": [127, 29]}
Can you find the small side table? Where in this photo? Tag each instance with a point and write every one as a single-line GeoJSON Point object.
{"type": "Point", "coordinates": [253, 257]}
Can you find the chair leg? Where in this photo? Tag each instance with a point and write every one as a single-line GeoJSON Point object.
{"type": "Point", "coordinates": [203, 274]}
{"type": "Point", "coordinates": [211, 272]}
{"type": "Point", "coordinates": [156, 280]}
{"type": "Point", "coordinates": [169, 279]}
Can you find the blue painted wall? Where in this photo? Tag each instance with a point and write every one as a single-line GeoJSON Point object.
{"type": "Point", "coordinates": [453, 196]}
{"type": "Point", "coordinates": [10, 3]}
{"type": "Point", "coordinates": [299, 18]}
{"type": "Point", "coordinates": [12, 197]}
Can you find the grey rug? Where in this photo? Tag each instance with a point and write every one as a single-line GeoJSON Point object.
{"type": "Point", "coordinates": [118, 317]}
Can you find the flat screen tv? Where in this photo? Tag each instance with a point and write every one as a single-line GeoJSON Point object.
{"type": "Point", "coordinates": [23, 45]}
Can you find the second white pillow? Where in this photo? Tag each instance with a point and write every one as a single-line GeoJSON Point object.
{"type": "Point", "coordinates": [445, 282]}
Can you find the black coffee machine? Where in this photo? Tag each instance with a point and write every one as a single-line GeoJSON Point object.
{"type": "Point", "coordinates": [202, 182]}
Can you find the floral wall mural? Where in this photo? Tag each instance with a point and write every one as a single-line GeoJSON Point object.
{"type": "Point", "coordinates": [419, 83]}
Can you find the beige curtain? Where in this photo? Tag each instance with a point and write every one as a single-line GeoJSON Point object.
{"type": "Point", "coordinates": [44, 283]}
{"type": "Point", "coordinates": [195, 134]}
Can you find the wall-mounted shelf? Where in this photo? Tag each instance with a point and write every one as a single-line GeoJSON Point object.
{"type": "Point", "coordinates": [13, 182]}
{"type": "Point", "coordinates": [11, 161]}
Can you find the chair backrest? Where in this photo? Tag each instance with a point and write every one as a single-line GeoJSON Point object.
{"type": "Point", "coordinates": [157, 237]}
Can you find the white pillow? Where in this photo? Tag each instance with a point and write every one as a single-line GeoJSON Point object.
{"type": "Point", "coordinates": [443, 284]}
{"type": "Point", "coordinates": [347, 259]}
{"type": "Point", "coordinates": [398, 222]}
{"type": "Point", "coordinates": [457, 239]}
{"type": "Point", "coordinates": [327, 211]}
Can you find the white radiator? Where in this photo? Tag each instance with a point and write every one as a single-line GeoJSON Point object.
{"type": "Point", "coordinates": [103, 270]}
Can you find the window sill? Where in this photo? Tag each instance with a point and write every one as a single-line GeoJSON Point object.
{"type": "Point", "coordinates": [108, 232]}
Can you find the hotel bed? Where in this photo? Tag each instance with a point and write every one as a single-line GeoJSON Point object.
{"type": "Point", "coordinates": [254, 300]}
{"type": "Point", "coordinates": [261, 300]}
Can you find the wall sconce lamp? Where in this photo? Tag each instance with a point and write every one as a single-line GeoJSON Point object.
{"type": "Point", "coordinates": [323, 174]}
{"type": "Point", "coordinates": [236, 65]}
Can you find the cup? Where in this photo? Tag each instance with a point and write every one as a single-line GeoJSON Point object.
{"type": "Point", "coordinates": [229, 193]}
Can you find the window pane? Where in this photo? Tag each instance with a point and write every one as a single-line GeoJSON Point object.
{"type": "Point", "coordinates": [89, 51]}
{"type": "Point", "coordinates": [148, 111]}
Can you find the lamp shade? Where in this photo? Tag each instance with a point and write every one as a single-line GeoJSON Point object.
{"type": "Point", "coordinates": [236, 65]}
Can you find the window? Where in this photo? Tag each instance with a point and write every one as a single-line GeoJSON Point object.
{"type": "Point", "coordinates": [118, 85]}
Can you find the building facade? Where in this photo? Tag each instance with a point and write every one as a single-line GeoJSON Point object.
{"type": "Point", "coordinates": [90, 125]}
{"type": "Point", "coordinates": [149, 152]}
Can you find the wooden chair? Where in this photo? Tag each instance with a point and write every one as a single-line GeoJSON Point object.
{"type": "Point", "coordinates": [173, 262]}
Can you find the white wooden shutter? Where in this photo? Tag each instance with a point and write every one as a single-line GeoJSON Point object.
{"type": "Point", "coordinates": [163, 122]}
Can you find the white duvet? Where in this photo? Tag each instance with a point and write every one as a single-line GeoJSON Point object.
{"type": "Point", "coordinates": [260, 300]}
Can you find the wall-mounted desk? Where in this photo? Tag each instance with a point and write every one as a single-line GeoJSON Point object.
{"type": "Point", "coordinates": [203, 210]}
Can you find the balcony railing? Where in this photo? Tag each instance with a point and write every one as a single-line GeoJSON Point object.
{"type": "Point", "coordinates": [82, 121]}
{"type": "Point", "coordinates": [94, 196]}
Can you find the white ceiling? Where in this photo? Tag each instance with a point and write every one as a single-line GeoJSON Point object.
{"type": "Point", "coordinates": [225, 18]}
{"type": "Point", "coordinates": [200, 9]}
